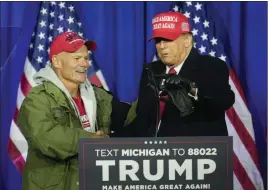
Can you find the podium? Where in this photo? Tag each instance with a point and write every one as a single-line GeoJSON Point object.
{"type": "Point", "coordinates": [163, 163]}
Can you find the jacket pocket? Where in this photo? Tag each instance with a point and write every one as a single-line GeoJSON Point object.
{"type": "Point", "coordinates": [61, 114]}
{"type": "Point", "coordinates": [47, 177]}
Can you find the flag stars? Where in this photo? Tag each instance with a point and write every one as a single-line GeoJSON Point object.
{"type": "Point", "coordinates": [212, 53]}
{"type": "Point", "coordinates": [204, 36]}
{"type": "Point", "coordinates": [60, 29]}
{"type": "Point", "coordinates": [69, 30]}
{"type": "Point", "coordinates": [60, 17]}
{"type": "Point", "coordinates": [52, 14]}
{"type": "Point", "coordinates": [195, 32]}
{"type": "Point", "coordinates": [53, 3]}
{"type": "Point", "coordinates": [40, 47]}
{"type": "Point", "coordinates": [206, 24]}
{"type": "Point", "coordinates": [70, 20]}
{"type": "Point", "coordinates": [62, 5]}
{"type": "Point", "coordinates": [176, 8]}
{"type": "Point", "coordinates": [41, 35]}
{"type": "Point", "coordinates": [42, 23]}
{"type": "Point", "coordinates": [79, 24]}
{"type": "Point", "coordinates": [155, 142]}
{"type": "Point", "coordinates": [194, 44]}
{"type": "Point", "coordinates": [80, 34]}
{"type": "Point", "coordinates": [51, 26]}
{"type": "Point", "coordinates": [196, 19]}
{"type": "Point", "coordinates": [189, 3]}
{"type": "Point", "coordinates": [198, 6]}
{"type": "Point", "coordinates": [71, 8]}
{"type": "Point", "coordinates": [39, 59]}
{"type": "Point", "coordinates": [31, 46]}
{"type": "Point", "coordinates": [214, 41]}
{"type": "Point", "coordinates": [222, 57]}
{"type": "Point", "coordinates": [43, 11]}
{"type": "Point", "coordinates": [187, 14]}
{"type": "Point", "coordinates": [50, 38]}
{"type": "Point", "coordinates": [48, 50]}
{"type": "Point", "coordinates": [202, 49]}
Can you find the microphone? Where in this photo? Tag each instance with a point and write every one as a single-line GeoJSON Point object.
{"type": "Point", "coordinates": [152, 83]}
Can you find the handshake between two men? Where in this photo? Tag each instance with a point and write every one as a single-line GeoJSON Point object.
{"type": "Point", "coordinates": [99, 134]}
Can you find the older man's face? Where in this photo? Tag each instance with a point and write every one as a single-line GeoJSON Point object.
{"type": "Point", "coordinates": [72, 67]}
{"type": "Point", "coordinates": [172, 52]}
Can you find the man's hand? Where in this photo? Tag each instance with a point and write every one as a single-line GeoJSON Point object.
{"type": "Point", "coordinates": [99, 134]}
{"type": "Point", "coordinates": [175, 82]}
{"type": "Point", "coordinates": [182, 101]}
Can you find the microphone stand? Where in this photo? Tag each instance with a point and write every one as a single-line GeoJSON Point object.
{"type": "Point", "coordinates": [153, 85]}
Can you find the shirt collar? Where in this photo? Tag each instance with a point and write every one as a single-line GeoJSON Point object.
{"type": "Point", "coordinates": [178, 67]}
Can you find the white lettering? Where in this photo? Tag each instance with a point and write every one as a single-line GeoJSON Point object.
{"type": "Point", "coordinates": [146, 170]}
{"type": "Point", "coordinates": [165, 18]}
{"type": "Point", "coordinates": [104, 152]}
{"type": "Point", "coordinates": [105, 168]}
{"type": "Point", "coordinates": [163, 25]}
{"type": "Point", "coordinates": [202, 171]}
{"type": "Point", "coordinates": [130, 168]}
{"type": "Point", "coordinates": [175, 167]}
{"type": "Point", "coordinates": [145, 152]}
{"type": "Point", "coordinates": [123, 171]}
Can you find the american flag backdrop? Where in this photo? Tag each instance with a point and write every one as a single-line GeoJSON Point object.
{"type": "Point", "coordinates": [53, 19]}
{"type": "Point", "coordinates": [239, 122]}
{"type": "Point", "coordinates": [57, 17]}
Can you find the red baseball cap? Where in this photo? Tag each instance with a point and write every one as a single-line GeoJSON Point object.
{"type": "Point", "coordinates": [169, 25]}
{"type": "Point", "coordinates": [69, 42]}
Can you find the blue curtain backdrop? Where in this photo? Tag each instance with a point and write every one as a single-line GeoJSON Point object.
{"type": "Point", "coordinates": [121, 30]}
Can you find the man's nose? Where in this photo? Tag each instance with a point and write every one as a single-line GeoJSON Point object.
{"type": "Point", "coordinates": [85, 63]}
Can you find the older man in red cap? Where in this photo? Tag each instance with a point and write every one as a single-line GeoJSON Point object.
{"type": "Point", "coordinates": [60, 110]}
{"type": "Point", "coordinates": [190, 92]}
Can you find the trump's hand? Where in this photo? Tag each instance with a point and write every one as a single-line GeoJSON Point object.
{"type": "Point", "coordinates": [173, 82]}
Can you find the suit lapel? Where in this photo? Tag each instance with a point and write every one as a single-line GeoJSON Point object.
{"type": "Point", "coordinates": [189, 67]}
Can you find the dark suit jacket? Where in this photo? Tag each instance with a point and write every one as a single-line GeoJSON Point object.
{"type": "Point", "coordinates": [214, 97]}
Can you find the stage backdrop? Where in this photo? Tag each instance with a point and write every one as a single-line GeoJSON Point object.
{"type": "Point", "coordinates": [235, 32]}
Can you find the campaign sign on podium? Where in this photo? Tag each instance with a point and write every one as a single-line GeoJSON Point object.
{"type": "Point", "coordinates": [156, 163]}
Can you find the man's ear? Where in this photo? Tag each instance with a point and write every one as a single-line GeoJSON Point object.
{"type": "Point", "coordinates": [188, 40]}
{"type": "Point", "coordinates": [55, 61]}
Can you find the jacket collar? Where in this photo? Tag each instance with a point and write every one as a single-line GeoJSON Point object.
{"type": "Point", "coordinates": [57, 94]}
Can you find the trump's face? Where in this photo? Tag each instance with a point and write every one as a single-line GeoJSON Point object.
{"type": "Point", "coordinates": [173, 52]}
